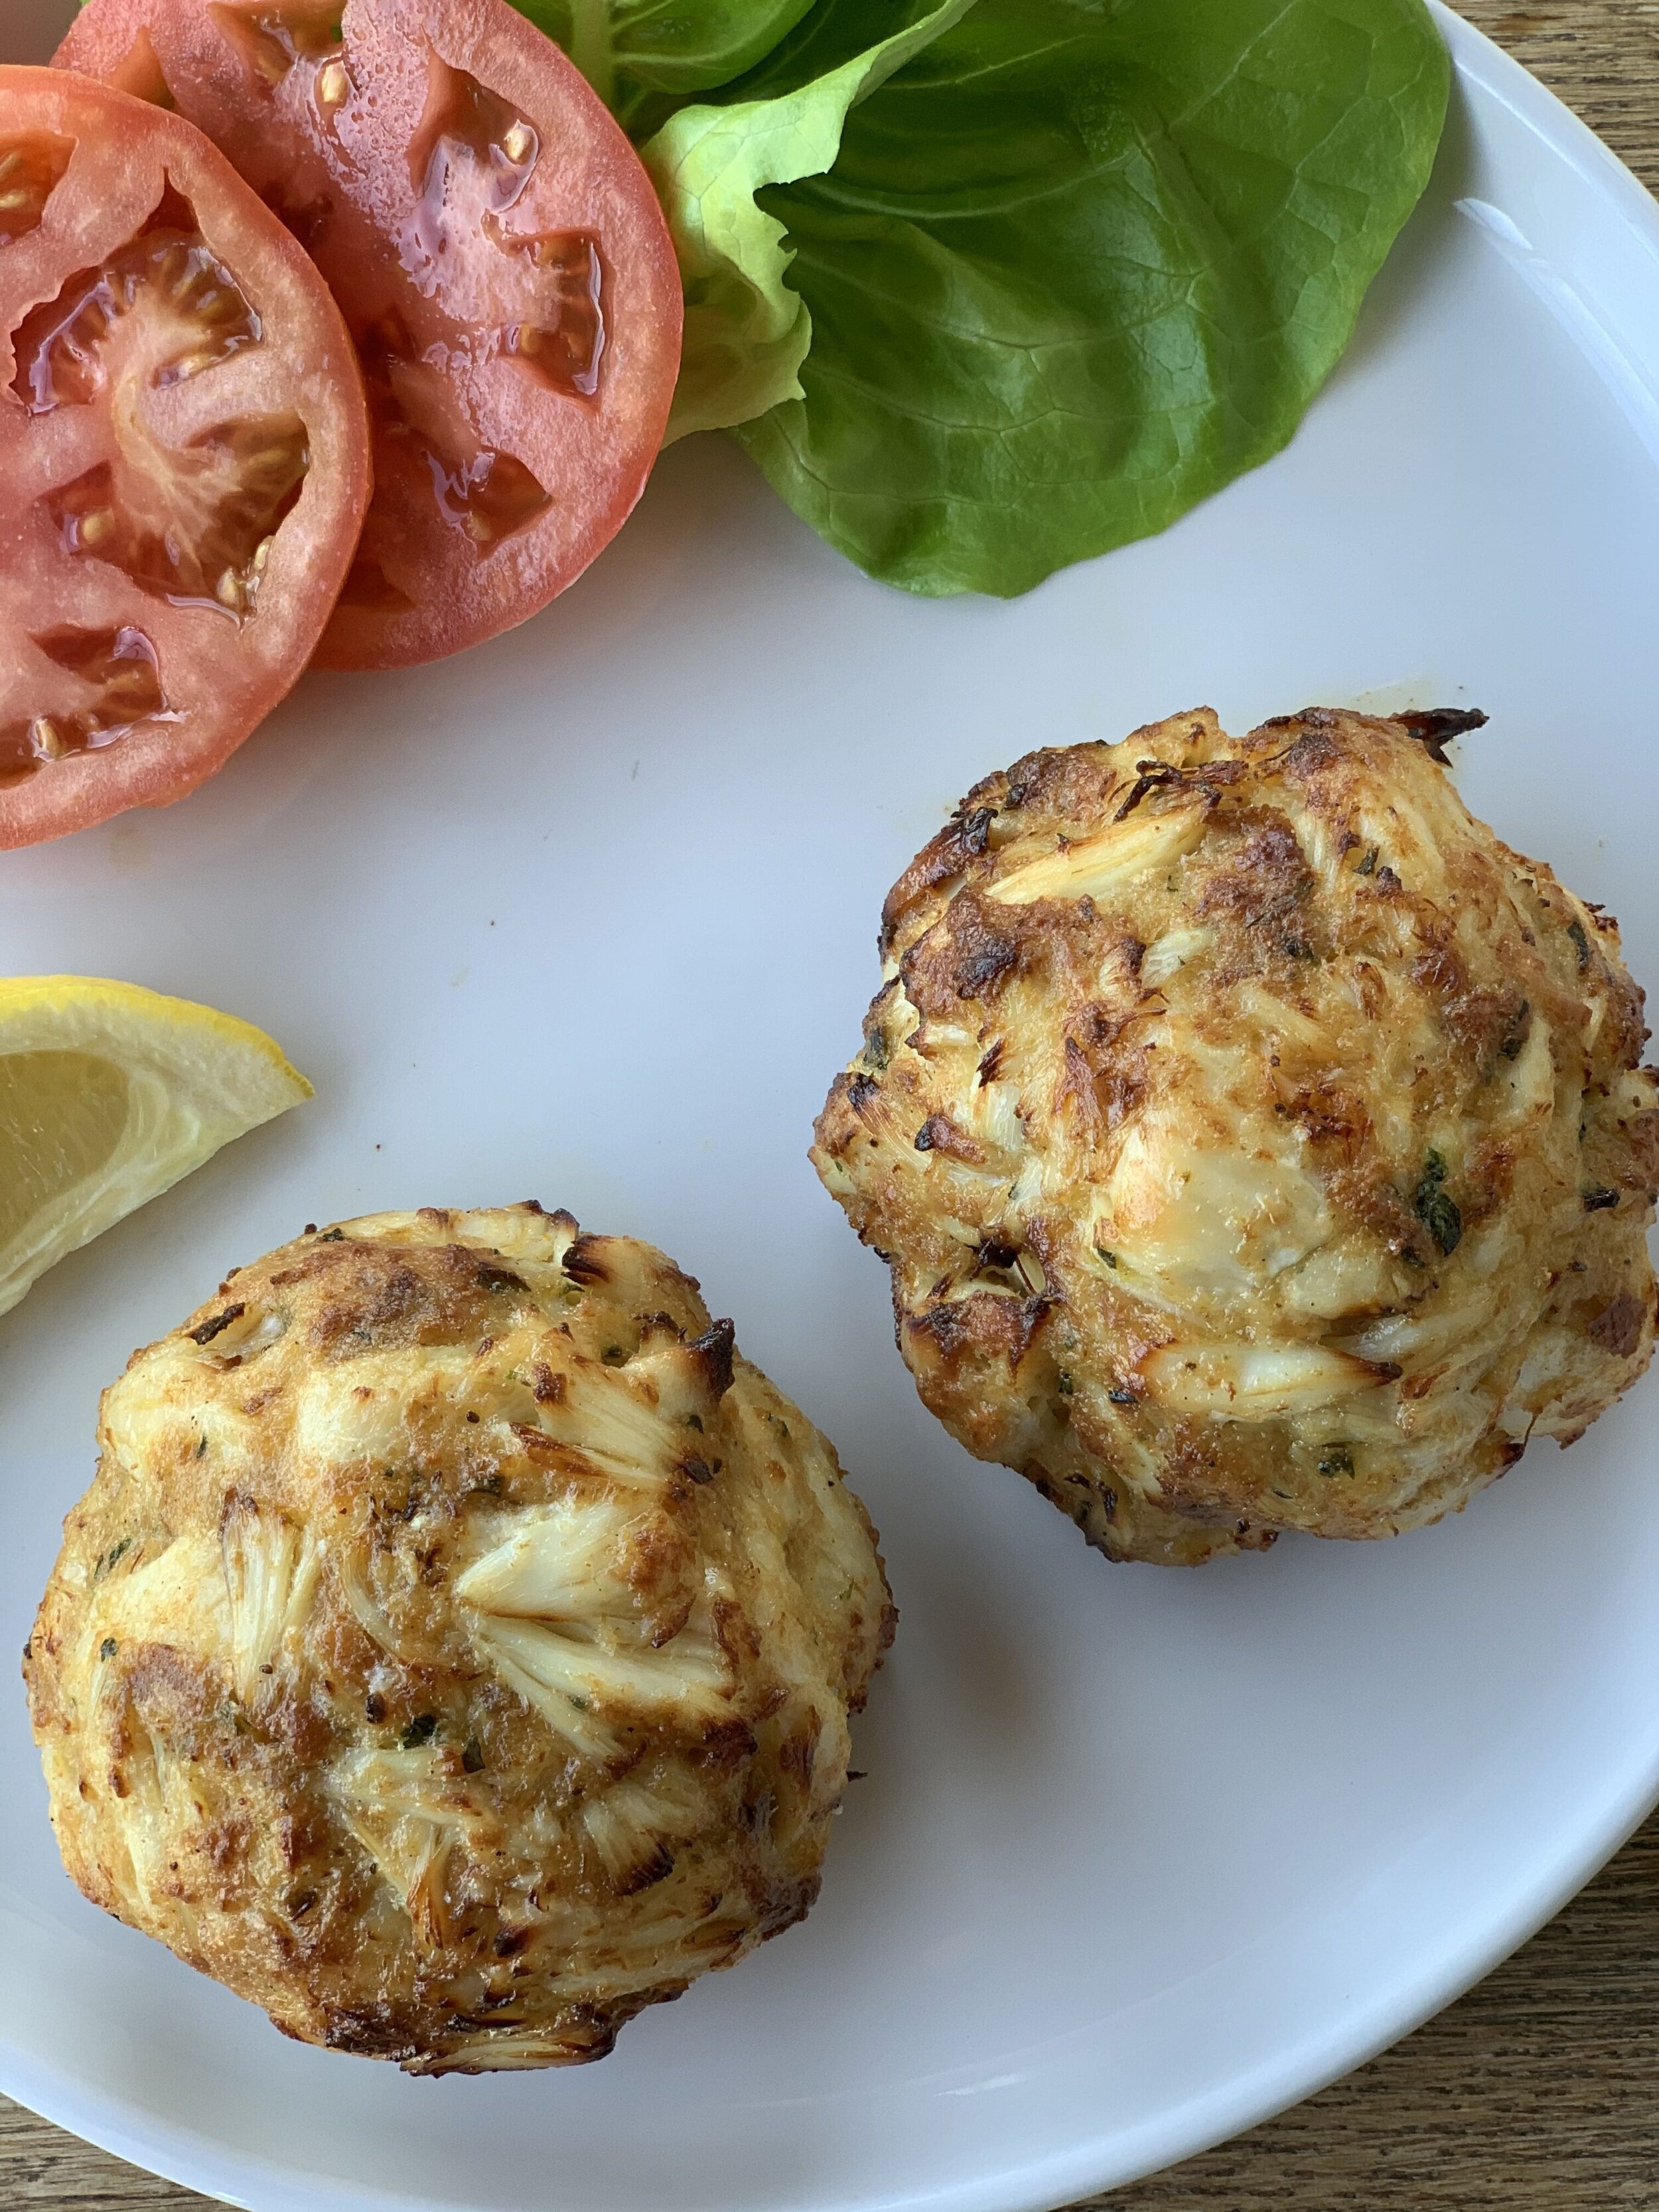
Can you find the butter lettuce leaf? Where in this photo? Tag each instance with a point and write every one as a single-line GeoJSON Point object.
{"type": "Point", "coordinates": [746, 330]}
{"type": "Point", "coordinates": [644, 58]}
{"type": "Point", "coordinates": [1073, 265]}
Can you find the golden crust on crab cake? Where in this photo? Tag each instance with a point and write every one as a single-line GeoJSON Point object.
{"type": "Point", "coordinates": [1255, 1142]}
{"type": "Point", "coordinates": [454, 1652]}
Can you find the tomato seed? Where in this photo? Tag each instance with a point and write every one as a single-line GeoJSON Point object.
{"type": "Point", "coordinates": [30, 169]}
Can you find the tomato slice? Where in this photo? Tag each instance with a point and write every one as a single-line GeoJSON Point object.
{"type": "Point", "coordinates": [500, 259]}
{"type": "Point", "coordinates": [184, 450]}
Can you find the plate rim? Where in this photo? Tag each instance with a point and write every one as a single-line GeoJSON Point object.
{"type": "Point", "coordinates": [1095, 2164]}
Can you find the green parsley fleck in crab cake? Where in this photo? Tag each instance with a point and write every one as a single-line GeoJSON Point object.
{"type": "Point", "coordinates": [455, 1650]}
{"type": "Point", "coordinates": [1255, 1142]}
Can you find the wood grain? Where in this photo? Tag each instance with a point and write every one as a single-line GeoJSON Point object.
{"type": "Point", "coordinates": [1538, 2092]}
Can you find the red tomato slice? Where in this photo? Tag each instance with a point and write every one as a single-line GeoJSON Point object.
{"type": "Point", "coordinates": [184, 451]}
{"type": "Point", "coordinates": [501, 258]}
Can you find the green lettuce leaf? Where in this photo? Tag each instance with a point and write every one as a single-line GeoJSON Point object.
{"type": "Point", "coordinates": [832, 32]}
{"type": "Point", "coordinates": [747, 332]}
{"type": "Point", "coordinates": [1077, 264]}
{"type": "Point", "coordinates": [644, 57]}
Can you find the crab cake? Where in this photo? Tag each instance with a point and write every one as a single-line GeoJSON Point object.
{"type": "Point", "coordinates": [1255, 1142]}
{"type": "Point", "coordinates": [454, 1652]}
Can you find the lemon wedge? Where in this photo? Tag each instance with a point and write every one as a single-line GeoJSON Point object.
{"type": "Point", "coordinates": [108, 1095]}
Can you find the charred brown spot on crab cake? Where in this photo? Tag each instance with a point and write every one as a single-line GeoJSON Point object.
{"type": "Point", "coordinates": [455, 1650]}
{"type": "Point", "coordinates": [1255, 1142]}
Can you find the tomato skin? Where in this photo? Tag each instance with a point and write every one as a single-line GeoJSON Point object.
{"type": "Point", "coordinates": [131, 692]}
{"type": "Point", "coordinates": [517, 311]}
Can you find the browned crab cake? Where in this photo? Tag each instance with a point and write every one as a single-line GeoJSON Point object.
{"type": "Point", "coordinates": [454, 1652]}
{"type": "Point", "coordinates": [1256, 1143]}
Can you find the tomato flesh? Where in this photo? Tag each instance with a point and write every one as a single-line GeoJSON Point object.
{"type": "Point", "coordinates": [184, 438]}
{"type": "Point", "coordinates": [499, 255]}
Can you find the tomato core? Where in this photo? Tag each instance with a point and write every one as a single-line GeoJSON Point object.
{"type": "Point", "coordinates": [191, 525]}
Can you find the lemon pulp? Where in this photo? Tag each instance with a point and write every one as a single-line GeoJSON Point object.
{"type": "Point", "coordinates": [62, 1117]}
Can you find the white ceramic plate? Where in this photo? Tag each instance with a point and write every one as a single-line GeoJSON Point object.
{"type": "Point", "coordinates": [588, 913]}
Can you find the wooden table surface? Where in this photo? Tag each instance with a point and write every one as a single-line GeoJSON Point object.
{"type": "Point", "coordinates": [1538, 2092]}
